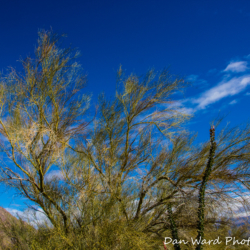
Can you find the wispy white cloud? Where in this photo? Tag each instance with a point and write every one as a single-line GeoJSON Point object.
{"type": "Point", "coordinates": [54, 174]}
{"type": "Point", "coordinates": [224, 89]}
{"type": "Point", "coordinates": [240, 66]}
{"type": "Point", "coordinates": [233, 102]}
{"type": "Point", "coordinates": [240, 206]}
{"type": "Point", "coordinates": [181, 107]}
{"type": "Point", "coordinates": [33, 217]}
{"type": "Point", "coordinates": [192, 78]}
{"type": "Point", "coordinates": [185, 110]}
{"type": "Point", "coordinates": [230, 85]}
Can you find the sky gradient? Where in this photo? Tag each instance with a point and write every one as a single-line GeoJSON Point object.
{"type": "Point", "coordinates": [206, 42]}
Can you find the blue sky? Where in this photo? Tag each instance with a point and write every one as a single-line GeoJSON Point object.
{"type": "Point", "coordinates": [205, 41]}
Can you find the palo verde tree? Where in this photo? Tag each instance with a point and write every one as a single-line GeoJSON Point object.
{"type": "Point", "coordinates": [127, 177]}
{"type": "Point", "coordinates": [41, 110]}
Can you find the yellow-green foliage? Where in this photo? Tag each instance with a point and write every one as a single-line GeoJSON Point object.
{"type": "Point", "coordinates": [104, 179]}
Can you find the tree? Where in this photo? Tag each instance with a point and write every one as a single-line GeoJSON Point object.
{"type": "Point", "coordinates": [41, 110]}
{"type": "Point", "coordinates": [128, 175]}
